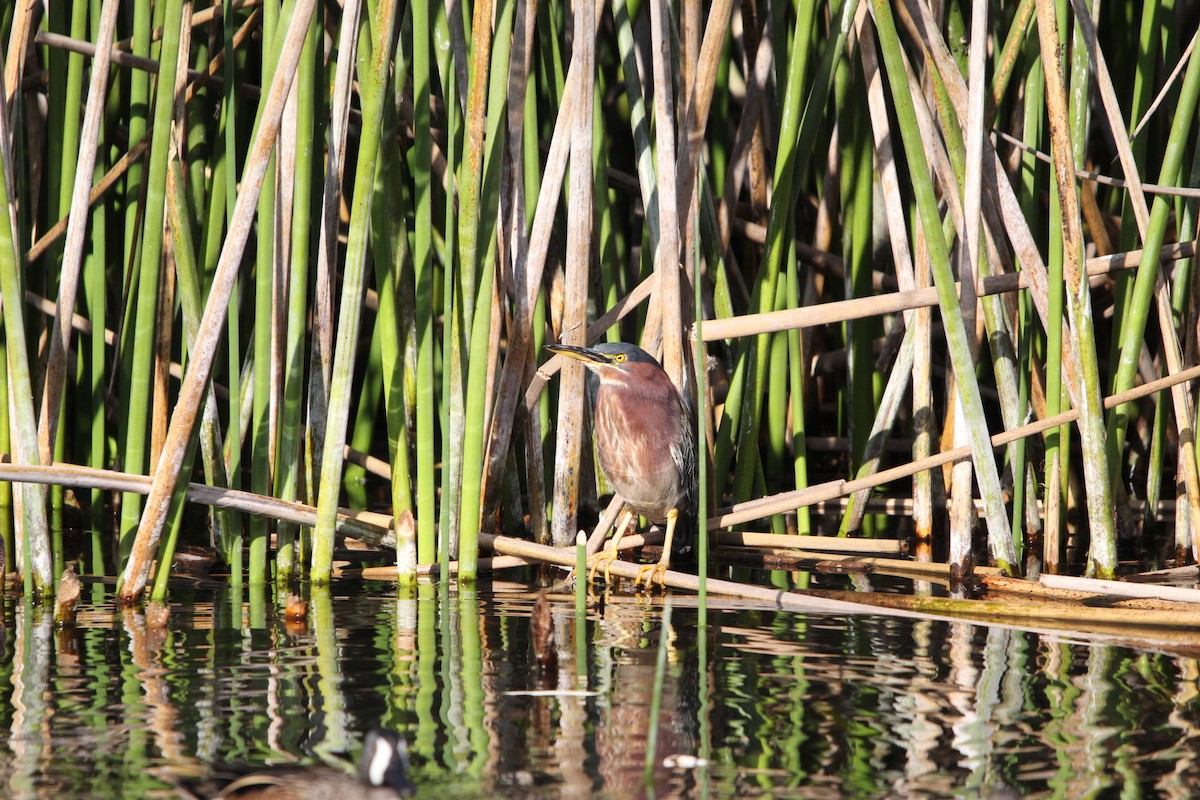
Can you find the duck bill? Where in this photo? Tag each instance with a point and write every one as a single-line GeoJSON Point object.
{"type": "Point", "coordinates": [584, 354]}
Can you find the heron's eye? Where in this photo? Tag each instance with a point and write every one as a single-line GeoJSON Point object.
{"type": "Point", "coordinates": [619, 358]}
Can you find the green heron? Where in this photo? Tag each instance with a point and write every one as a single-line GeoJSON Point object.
{"type": "Point", "coordinates": [644, 441]}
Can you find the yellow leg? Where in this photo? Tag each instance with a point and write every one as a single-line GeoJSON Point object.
{"type": "Point", "coordinates": [610, 553]}
{"type": "Point", "coordinates": [658, 571]}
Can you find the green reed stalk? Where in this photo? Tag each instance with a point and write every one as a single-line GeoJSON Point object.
{"type": "Point", "coordinates": [32, 528]}
{"type": "Point", "coordinates": [233, 334]}
{"type": "Point", "coordinates": [228, 539]}
{"type": "Point", "coordinates": [860, 335]}
{"type": "Point", "coordinates": [420, 165]}
{"type": "Point", "coordinates": [916, 333]}
{"type": "Point", "coordinates": [551, 53]}
{"type": "Point", "coordinates": [777, 409]}
{"type": "Point", "coordinates": [451, 405]}
{"type": "Point", "coordinates": [310, 98]}
{"type": "Point", "coordinates": [1006, 62]}
{"type": "Point", "coordinates": [961, 504]}
{"type": "Point", "coordinates": [995, 313]}
{"type": "Point", "coordinates": [372, 387]}
{"type": "Point", "coordinates": [95, 303]}
{"type": "Point", "coordinates": [141, 364]}
{"type": "Point", "coordinates": [333, 188]}
{"type": "Point", "coordinates": [389, 235]}
{"type": "Point", "coordinates": [372, 88]}
{"type": "Point", "coordinates": [842, 14]}
{"type": "Point", "coordinates": [58, 119]}
{"type": "Point", "coordinates": [366, 406]}
{"type": "Point", "coordinates": [1023, 497]}
{"type": "Point", "coordinates": [451, 356]}
{"type": "Point", "coordinates": [1168, 317]}
{"type": "Point", "coordinates": [1078, 112]}
{"type": "Point", "coordinates": [805, 141]}
{"type": "Point", "coordinates": [139, 401]}
{"type": "Point", "coordinates": [796, 371]}
{"type": "Point", "coordinates": [266, 267]}
{"type": "Point", "coordinates": [7, 539]}
{"type": "Point", "coordinates": [1149, 50]}
{"type": "Point", "coordinates": [200, 113]}
{"type": "Point", "coordinates": [639, 122]}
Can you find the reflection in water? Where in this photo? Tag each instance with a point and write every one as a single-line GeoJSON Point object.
{"type": "Point", "coordinates": [780, 704]}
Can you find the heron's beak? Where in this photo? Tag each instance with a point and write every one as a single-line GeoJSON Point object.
{"type": "Point", "coordinates": [584, 354]}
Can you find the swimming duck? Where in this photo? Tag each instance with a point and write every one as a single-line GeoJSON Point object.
{"type": "Point", "coordinates": [382, 775]}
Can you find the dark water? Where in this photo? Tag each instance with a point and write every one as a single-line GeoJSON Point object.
{"type": "Point", "coordinates": [780, 704]}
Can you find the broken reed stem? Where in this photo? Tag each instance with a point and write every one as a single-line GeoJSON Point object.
{"type": "Point", "coordinates": [896, 302]}
{"type": "Point", "coordinates": [817, 548]}
{"type": "Point", "coordinates": [364, 525]}
{"type": "Point", "coordinates": [114, 174]}
{"type": "Point", "coordinates": [493, 563]}
{"type": "Point", "coordinates": [195, 78]}
{"type": "Point", "coordinates": [569, 426]}
{"type": "Point", "coordinates": [876, 603]}
{"type": "Point", "coordinates": [830, 544]}
{"type": "Point", "coordinates": [1177, 594]}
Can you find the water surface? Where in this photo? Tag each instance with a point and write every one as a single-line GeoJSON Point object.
{"type": "Point", "coordinates": [778, 704]}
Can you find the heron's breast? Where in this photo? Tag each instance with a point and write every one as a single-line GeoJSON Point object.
{"type": "Point", "coordinates": [635, 437]}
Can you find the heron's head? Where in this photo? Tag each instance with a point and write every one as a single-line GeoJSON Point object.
{"type": "Point", "coordinates": [612, 362]}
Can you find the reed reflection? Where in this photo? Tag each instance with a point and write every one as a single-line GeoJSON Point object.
{"type": "Point", "coordinates": [809, 704]}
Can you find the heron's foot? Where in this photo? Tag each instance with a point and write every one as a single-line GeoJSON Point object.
{"type": "Point", "coordinates": [654, 572]}
{"type": "Point", "coordinates": [602, 559]}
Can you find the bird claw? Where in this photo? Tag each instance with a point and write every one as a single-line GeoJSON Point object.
{"type": "Point", "coordinates": [657, 572]}
{"type": "Point", "coordinates": [605, 557]}
{"type": "Point", "coordinates": [648, 574]}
